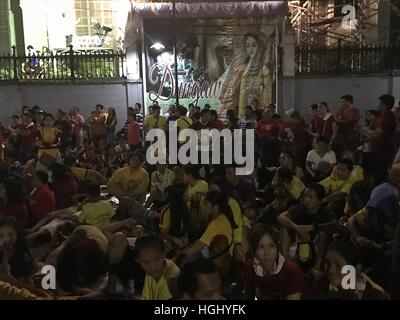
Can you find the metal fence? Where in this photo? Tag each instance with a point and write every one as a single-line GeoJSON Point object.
{"type": "Point", "coordinates": [347, 59]}
{"type": "Point", "coordinates": [64, 65]}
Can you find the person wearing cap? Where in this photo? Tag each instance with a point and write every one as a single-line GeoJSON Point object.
{"type": "Point", "coordinates": [155, 120]}
{"type": "Point", "coordinates": [130, 181]}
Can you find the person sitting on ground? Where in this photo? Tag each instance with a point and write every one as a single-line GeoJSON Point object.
{"type": "Point", "coordinates": [161, 274]}
{"type": "Point", "coordinates": [343, 252]}
{"type": "Point", "coordinates": [95, 211]}
{"type": "Point", "coordinates": [161, 179]}
{"type": "Point", "coordinates": [12, 202]}
{"type": "Point", "coordinates": [196, 189]}
{"type": "Point", "coordinates": [218, 237]}
{"type": "Point", "coordinates": [175, 217]}
{"type": "Point", "coordinates": [221, 185]}
{"type": "Point", "coordinates": [131, 181]}
{"type": "Point", "coordinates": [292, 184]}
{"type": "Point", "coordinates": [122, 146]}
{"type": "Point", "coordinates": [64, 186]}
{"type": "Point", "coordinates": [338, 186]}
{"type": "Point", "coordinates": [42, 200]}
{"type": "Point", "coordinates": [15, 252]}
{"type": "Point", "coordinates": [268, 274]}
{"type": "Point", "coordinates": [81, 263]}
{"type": "Point", "coordinates": [320, 161]}
{"type": "Point", "coordinates": [312, 224]}
{"type": "Point", "coordinates": [241, 189]}
{"type": "Point", "coordinates": [358, 171]}
{"type": "Point", "coordinates": [199, 280]}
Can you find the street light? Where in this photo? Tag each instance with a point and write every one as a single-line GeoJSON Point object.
{"type": "Point", "coordinates": [158, 46]}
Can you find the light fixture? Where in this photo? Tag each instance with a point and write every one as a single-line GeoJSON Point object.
{"type": "Point", "coordinates": [157, 46]}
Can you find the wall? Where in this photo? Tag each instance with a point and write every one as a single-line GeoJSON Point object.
{"type": "Point", "coordinates": [301, 92]}
{"type": "Point", "coordinates": [86, 96]}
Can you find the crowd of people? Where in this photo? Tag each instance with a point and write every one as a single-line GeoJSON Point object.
{"type": "Point", "coordinates": [79, 195]}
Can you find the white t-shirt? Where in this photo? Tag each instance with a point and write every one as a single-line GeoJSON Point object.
{"type": "Point", "coordinates": [315, 158]}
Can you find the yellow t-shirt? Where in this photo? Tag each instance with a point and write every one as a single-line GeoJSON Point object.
{"type": "Point", "coordinates": [183, 123]}
{"type": "Point", "coordinates": [165, 220]}
{"type": "Point", "coordinates": [160, 289]}
{"type": "Point", "coordinates": [333, 184]}
{"type": "Point", "coordinates": [126, 182]}
{"type": "Point", "coordinates": [198, 190]}
{"type": "Point", "coordinates": [49, 136]}
{"type": "Point", "coordinates": [218, 226]}
{"type": "Point", "coordinates": [237, 216]}
{"type": "Point", "coordinates": [296, 187]}
{"type": "Point", "coordinates": [95, 234]}
{"type": "Point", "coordinates": [152, 123]}
{"type": "Point", "coordinates": [357, 173]}
{"type": "Point", "coordinates": [97, 214]}
{"type": "Point", "coordinates": [11, 292]}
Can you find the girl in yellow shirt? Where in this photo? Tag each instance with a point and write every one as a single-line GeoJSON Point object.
{"type": "Point", "coordinates": [175, 218]}
{"type": "Point", "coordinates": [49, 138]}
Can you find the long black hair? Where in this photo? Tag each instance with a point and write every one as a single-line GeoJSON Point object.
{"type": "Point", "coordinates": [14, 191]}
{"type": "Point", "coordinates": [180, 219]}
{"type": "Point", "coordinates": [221, 199]}
{"type": "Point", "coordinates": [21, 261]}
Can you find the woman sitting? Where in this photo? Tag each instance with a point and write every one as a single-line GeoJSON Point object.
{"type": "Point", "coordinates": [343, 253]}
{"type": "Point", "coordinates": [218, 237]}
{"type": "Point", "coordinates": [268, 274]}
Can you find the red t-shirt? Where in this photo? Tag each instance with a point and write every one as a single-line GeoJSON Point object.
{"type": "Point", "coordinates": [287, 281]}
{"type": "Point", "coordinates": [16, 210]}
{"type": "Point", "coordinates": [64, 191]}
{"type": "Point", "coordinates": [349, 114]}
{"type": "Point", "coordinates": [267, 128]}
{"type": "Point", "coordinates": [218, 124]}
{"type": "Point", "coordinates": [323, 127]}
{"type": "Point", "coordinates": [387, 123]}
{"type": "Point", "coordinates": [29, 140]}
{"type": "Point", "coordinates": [45, 203]}
{"type": "Point", "coordinates": [133, 129]}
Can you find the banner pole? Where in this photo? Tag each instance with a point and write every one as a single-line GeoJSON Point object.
{"type": "Point", "coordinates": [175, 53]}
{"type": "Point", "coordinates": [276, 68]}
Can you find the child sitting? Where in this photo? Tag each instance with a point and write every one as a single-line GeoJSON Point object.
{"type": "Point", "coordinates": [161, 274]}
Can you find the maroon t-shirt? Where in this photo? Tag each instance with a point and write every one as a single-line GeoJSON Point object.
{"type": "Point", "coordinates": [16, 210]}
{"type": "Point", "coordinates": [323, 127]}
{"type": "Point", "coordinates": [289, 280]}
{"type": "Point", "coordinates": [29, 141]}
{"type": "Point", "coordinates": [64, 192]}
{"type": "Point", "coordinates": [45, 203]}
{"type": "Point", "coordinates": [387, 123]}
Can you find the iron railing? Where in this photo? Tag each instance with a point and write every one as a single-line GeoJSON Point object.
{"type": "Point", "coordinates": [347, 59]}
{"type": "Point", "coordinates": [67, 65]}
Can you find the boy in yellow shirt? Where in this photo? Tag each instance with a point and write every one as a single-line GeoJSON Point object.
{"type": "Point", "coordinates": [95, 211]}
{"type": "Point", "coordinates": [130, 181]}
{"type": "Point", "coordinates": [161, 274]}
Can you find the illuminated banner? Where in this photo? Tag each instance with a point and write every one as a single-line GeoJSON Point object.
{"type": "Point", "coordinates": [226, 63]}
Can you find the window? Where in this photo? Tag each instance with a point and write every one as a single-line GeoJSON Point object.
{"type": "Point", "coordinates": [90, 12]}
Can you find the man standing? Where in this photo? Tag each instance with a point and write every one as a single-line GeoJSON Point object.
{"type": "Point", "coordinates": [382, 137]}
{"type": "Point", "coordinates": [347, 119]}
{"type": "Point", "coordinates": [155, 120]}
{"type": "Point", "coordinates": [78, 122]}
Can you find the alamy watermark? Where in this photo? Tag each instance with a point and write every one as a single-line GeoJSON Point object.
{"type": "Point", "coordinates": [202, 147]}
{"type": "Point", "coordinates": [349, 21]}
